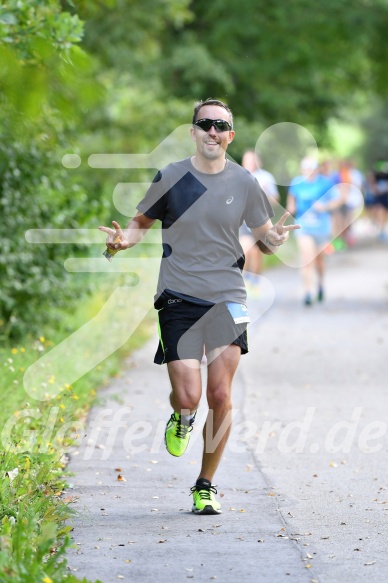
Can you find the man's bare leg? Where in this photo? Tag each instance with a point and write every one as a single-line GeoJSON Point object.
{"type": "Point", "coordinates": [221, 371]}
{"type": "Point", "coordinates": [185, 377]}
{"type": "Point", "coordinates": [186, 384]}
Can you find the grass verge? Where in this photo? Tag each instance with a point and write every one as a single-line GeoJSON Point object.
{"type": "Point", "coordinates": [37, 432]}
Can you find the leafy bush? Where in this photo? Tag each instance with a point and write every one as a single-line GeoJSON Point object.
{"type": "Point", "coordinates": [42, 97]}
{"type": "Point", "coordinates": [33, 194]}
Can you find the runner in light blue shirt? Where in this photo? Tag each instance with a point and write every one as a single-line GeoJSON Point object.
{"type": "Point", "coordinates": [311, 198]}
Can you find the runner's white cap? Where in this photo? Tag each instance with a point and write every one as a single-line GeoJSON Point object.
{"type": "Point", "coordinates": [309, 164]}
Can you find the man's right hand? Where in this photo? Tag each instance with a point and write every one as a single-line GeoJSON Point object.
{"type": "Point", "coordinates": [115, 237]}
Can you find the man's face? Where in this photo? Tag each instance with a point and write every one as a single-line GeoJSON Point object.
{"type": "Point", "coordinates": [213, 143]}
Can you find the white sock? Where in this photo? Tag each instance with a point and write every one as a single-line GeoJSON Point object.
{"type": "Point", "coordinates": [188, 418]}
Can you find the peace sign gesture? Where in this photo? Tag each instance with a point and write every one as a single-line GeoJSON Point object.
{"type": "Point", "coordinates": [279, 232]}
{"type": "Point", "coordinates": [115, 239]}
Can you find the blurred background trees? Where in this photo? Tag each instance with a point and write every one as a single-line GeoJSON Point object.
{"type": "Point", "coordinates": [46, 85]}
{"type": "Point", "coordinates": [119, 76]}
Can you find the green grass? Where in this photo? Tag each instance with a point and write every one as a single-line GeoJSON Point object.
{"type": "Point", "coordinates": [35, 435]}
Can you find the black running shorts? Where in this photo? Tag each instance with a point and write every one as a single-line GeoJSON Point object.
{"type": "Point", "coordinates": [187, 330]}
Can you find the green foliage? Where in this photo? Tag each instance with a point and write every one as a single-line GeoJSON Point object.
{"type": "Point", "coordinates": [34, 533]}
{"type": "Point", "coordinates": [134, 31]}
{"type": "Point", "coordinates": [39, 85]}
{"type": "Point", "coordinates": [277, 61]}
{"type": "Point", "coordinates": [29, 522]}
{"type": "Point", "coordinates": [375, 126]}
{"type": "Point", "coordinates": [40, 62]}
{"type": "Point", "coordinates": [34, 194]}
{"type": "Point", "coordinates": [30, 25]}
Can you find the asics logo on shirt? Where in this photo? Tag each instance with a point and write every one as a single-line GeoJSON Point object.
{"type": "Point", "coordinates": [229, 200]}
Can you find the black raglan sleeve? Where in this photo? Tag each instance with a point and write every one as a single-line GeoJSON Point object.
{"type": "Point", "coordinates": [153, 205]}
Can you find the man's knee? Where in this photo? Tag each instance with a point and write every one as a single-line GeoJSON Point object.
{"type": "Point", "coordinates": [185, 400]}
{"type": "Point", "coordinates": [219, 398]}
{"type": "Point", "coordinates": [186, 385]}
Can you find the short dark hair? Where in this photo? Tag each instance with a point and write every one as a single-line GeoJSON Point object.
{"type": "Point", "coordinates": [210, 101]}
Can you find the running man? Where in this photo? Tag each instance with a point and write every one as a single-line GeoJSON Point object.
{"type": "Point", "coordinates": [201, 202]}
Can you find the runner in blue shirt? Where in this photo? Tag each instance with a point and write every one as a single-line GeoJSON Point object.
{"type": "Point", "coordinates": [311, 198]}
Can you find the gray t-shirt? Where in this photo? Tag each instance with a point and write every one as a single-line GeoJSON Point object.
{"type": "Point", "coordinates": [201, 215]}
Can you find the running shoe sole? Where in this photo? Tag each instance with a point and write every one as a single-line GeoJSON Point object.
{"type": "Point", "coordinates": [206, 510]}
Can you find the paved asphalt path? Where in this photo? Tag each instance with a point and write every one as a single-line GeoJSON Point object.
{"type": "Point", "coordinates": [304, 479]}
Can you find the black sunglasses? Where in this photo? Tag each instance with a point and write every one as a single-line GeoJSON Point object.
{"type": "Point", "coordinates": [220, 124]}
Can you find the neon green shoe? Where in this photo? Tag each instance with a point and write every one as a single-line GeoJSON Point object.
{"type": "Point", "coordinates": [204, 500]}
{"type": "Point", "coordinates": [177, 434]}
